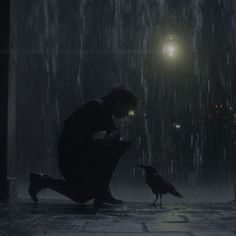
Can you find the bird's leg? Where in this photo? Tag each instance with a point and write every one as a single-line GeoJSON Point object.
{"type": "Point", "coordinates": [155, 200]}
{"type": "Point", "coordinates": [160, 200]}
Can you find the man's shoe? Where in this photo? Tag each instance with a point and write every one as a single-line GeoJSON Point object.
{"type": "Point", "coordinates": [108, 198]}
{"type": "Point", "coordinates": [98, 204]}
{"type": "Point", "coordinates": [113, 200]}
{"type": "Point", "coordinates": [37, 183]}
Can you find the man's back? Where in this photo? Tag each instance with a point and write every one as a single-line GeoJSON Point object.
{"type": "Point", "coordinates": [86, 120]}
{"type": "Point", "coordinates": [76, 145]}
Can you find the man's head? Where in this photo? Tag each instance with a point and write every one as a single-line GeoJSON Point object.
{"type": "Point", "coordinates": [122, 102]}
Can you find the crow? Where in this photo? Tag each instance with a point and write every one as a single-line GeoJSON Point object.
{"type": "Point", "coordinates": [157, 184]}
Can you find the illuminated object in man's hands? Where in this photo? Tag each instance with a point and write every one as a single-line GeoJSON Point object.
{"type": "Point", "coordinates": [131, 113]}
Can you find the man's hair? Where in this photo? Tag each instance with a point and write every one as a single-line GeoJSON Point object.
{"type": "Point", "coordinates": [124, 96]}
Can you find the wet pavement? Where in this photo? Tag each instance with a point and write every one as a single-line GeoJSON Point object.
{"type": "Point", "coordinates": [61, 217]}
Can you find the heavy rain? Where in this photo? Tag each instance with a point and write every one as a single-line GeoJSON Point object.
{"type": "Point", "coordinates": [178, 57]}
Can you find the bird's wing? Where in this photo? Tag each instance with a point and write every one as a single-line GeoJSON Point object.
{"type": "Point", "coordinates": [171, 189]}
{"type": "Point", "coordinates": [160, 186]}
{"type": "Point", "coordinates": [155, 183]}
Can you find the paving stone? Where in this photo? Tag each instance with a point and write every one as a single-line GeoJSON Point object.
{"type": "Point", "coordinates": [166, 227]}
{"type": "Point", "coordinates": [101, 226]}
{"type": "Point", "coordinates": [171, 218]}
{"type": "Point", "coordinates": [210, 233]}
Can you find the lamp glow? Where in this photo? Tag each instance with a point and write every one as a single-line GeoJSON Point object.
{"type": "Point", "coordinates": [169, 50]}
{"type": "Point", "coordinates": [170, 47]}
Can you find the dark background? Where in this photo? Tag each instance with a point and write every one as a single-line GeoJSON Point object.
{"type": "Point", "coordinates": [67, 52]}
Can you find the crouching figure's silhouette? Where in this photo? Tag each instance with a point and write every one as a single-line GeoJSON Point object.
{"type": "Point", "coordinates": [89, 149]}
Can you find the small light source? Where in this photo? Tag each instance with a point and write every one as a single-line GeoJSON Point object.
{"type": "Point", "coordinates": [131, 113]}
{"type": "Point", "coordinates": [177, 126]}
{"type": "Point", "coordinates": [169, 50]}
{"type": "Point", "coordinates": [170, 47]}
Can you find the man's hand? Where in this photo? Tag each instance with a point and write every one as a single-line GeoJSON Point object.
{"type": "Point", "coordinates": [105, 138]}
{"type": "Point", "coordinates": [99, 135]}
{"type": "Point", "coordinates": [114, 135]}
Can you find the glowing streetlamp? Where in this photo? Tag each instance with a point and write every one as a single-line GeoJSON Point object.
{"type": "Point", "coordinates": [170, 47]}
{"type": "Point", "coordinates": [169, 50]}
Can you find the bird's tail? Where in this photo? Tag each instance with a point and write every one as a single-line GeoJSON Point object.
{"type": "Point", "coordinates": [176, 194]}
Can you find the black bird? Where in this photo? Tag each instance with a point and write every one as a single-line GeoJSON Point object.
{"type": "Point", "coordinates": [158, 185]}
